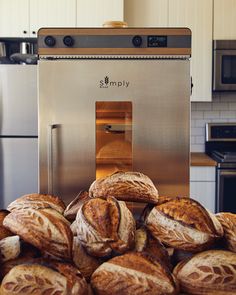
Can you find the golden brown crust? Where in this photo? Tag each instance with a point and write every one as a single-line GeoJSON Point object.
{"type": "Point", "coordinates": [211, 272]}
{"type": "Point", "coordinates": [72, 209]}
{"type": "Point", "coordinates": [46, 229]}
{"type": "Point", "coordinates": [228, 222]}
{"type": "Point", "coordinates": [85, 263]}
{"type": "Point", "coordinates": [10, 248]}
{"type": "Point", "coordinates": [144, 242]}
{"type": "Point", "coordinates": [4, 232]}
{"type": "Point", "coordinates": [51, 278]}
{"type": "Point", "coordinates": [133, 273]}
{"type": "Point", "coordinates": [126, 186]}
{"type": "Point", "coordinates": [37, 201]}
{"type": "Point", "coordinates": [184, 224]}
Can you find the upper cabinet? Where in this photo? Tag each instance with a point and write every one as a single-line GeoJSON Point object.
{"type": "Point", "coordinates": [224, 19]}
{"type": "Point", "coordinates": [148, 13]}
{"type": "Point", "coordinates": [53, 13]}
{"type": "Point", "coordinates": [95, 13]}
{"type": "Point", "coordinates": [24, 18]}
{"type": "Point", "coordinates": [196, 15]}
{"type": "Point", "coordinates": [14, 18]}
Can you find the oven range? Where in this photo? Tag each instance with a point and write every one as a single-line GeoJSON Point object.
{"type": "Point", "coordinates": [221, 146]}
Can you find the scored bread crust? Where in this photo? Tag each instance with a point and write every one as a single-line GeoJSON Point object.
{"type": "Point", "coordinates": [72, 209]}
{"type": "Point", "coordinates": [37, 201]}
{"type": "Point", "coordinates": [228, 222]}
{"type": "Point", "coordinates": [46, 229]}
{"type": "Point", "coordinates": [125, 186]}
{"type": "Point", "coordinates": [44, 278]}
{"type": "Point", "coordinates": [133, 273]}
{"type": "Point", "coordinates": [212, 272]}
{"type": "Point", "coordinates": [184, 224]}
{"type": "Point", "coordinates": [116, 232]}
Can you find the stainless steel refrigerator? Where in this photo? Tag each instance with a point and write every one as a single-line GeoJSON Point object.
{"type": "Point", "coordinates": [18, 132]}
{"type": "Point", "coordinates": [113, 99]}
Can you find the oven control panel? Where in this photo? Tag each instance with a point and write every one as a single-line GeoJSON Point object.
{"type": "Point", "coordinates": [221, 132]}
{"type": "Point", "coordinates": [69, 41]}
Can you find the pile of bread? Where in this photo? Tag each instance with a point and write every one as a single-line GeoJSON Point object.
{"type": "Point", "coordinates": [95, 245]}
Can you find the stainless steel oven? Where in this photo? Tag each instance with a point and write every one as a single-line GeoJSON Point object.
{"type": "Point", "coordinates": [221, 146]}
{"type": "Point", "coordinates": [224, 65]}
{"type": "Point", "coordinates": [113, 99]}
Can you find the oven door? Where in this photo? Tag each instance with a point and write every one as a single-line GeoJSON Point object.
{"type": "Point", "coordinates": [226, 190]}
{"type": "Point", "coordinates": [224, 75]}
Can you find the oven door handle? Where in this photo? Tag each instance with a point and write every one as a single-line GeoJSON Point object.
{"type": "Point", "coordinates": [227, 173]}
{"type": "Point", "coordinates": [51, 127]}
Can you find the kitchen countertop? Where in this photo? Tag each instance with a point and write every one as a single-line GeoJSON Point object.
{"type": "Point", "coordinates": [201, 159]}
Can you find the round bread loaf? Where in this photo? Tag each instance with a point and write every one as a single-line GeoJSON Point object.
{"type": "Point", "coordinates": [10, 248]}
{"type": "Point", "coordinates": [104, 226]}
{"type": "Point", "coordinates": [4, 232]}
{"type": "Point", "coordinates": [133, 274]}
{"type": "Point", "coordinates": [73, 208]}
{"type": "Point", "coordinates": [211, 272]}
{"type": "Point", "coordinates": [184, 224]}
{"type": "Point", "coordinates": [125, 186]}
{"type": "Point", "coordinates": [228, 222]}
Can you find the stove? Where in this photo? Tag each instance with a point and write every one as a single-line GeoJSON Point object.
{"type": "Point", "coordinates": [221, 146]}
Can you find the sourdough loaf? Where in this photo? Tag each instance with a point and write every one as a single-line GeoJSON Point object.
{"type": "Point", "coordinates": [212, 272]}
{"type": "Point", "coordinates": [126, 186]}
{"type": "Point", "coordinates": [184, 224]}
{"type": "Point", "coordinates": [228, 222]}
{"type": "Point", "coordinates": [133, 274]}
{"type": "Point", "coordinates": [46, 229]}
{"type": "Point", "coordinates": [54, 278]}
{"type": "Point", "coordinates": [37, 201]}
{"type": "Point", "coordinates": [72, 209]}
{"type": "Point", "coordinates": [10, 248]}
{"type": "Point", "coordinates": [104, 226]}
{"type": "Point", "coordinates": [145, 243]}
{"type": "Point", "coordinates": [4, 232]}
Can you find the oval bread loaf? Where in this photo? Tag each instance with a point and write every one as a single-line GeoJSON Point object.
{"type": "Point", "coordinates": [125, 186]}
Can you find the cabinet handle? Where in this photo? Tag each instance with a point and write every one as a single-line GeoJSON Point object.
{"type": "Point", "coordinates": [25, 32]}
{"type": "Point", "coordinates": [33, 32]}
{"type": "Point", "coordinates": [50, 159]}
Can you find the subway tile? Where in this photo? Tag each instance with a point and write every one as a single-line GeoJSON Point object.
{"type": "Point", "coordinates": [193, 106]}
{"type": "Point", "coordinates": [197, 148]}
{"type": "Point", "coordinates": [211, 114]}
{"type": "Point", "coordinates": [231, 120]}
{"type": "Point", "coordinates": [197, 131]}
{"type": "Point", "coordinates": [228, 97]}
{"type": "Point", "coordinates": [219, 120]}
{"type": "Point", "coordinates": [201, 122]}
{"type": "Point", "coordinates": [227, 114]}
{"type": "Point", "coordinates": [200, 139]}
{"type": "Point", "coordinates": [220, 106]}
{"type": "Point", "coordinates": [204, 106]}
{"type": "Point", "coordinates": [197, 115]}
{"type": "Point", "coordinates": [192, 140]}
{"type": "Point", "coordinates": [232, 106]}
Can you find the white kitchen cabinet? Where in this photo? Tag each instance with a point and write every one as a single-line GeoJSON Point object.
{"type": "Point", "coordinates": [197, 15]}
{"type": "Point", "coordinates": [148, 13]}
{"type": "Point", "coordinates": [94, 13]}
{"type": "Point", "coordinates": [53, 13]}
{"type": "Point", "coordinates": [202, 186]}
{"type": "Point", "coordinates": [224, 19]}
{"type": "Point", "coordinates": [24, 18]}
{"type": "Point", "coordinates": [14, 18]}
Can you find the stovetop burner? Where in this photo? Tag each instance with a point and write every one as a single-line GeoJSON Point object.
{"type": "Point", "coordinates": [224, 156]}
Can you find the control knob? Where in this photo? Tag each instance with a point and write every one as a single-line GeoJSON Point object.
{"type": "Point", "coordinates": [137, 41]}
{"type": "Point", "coordinates": [68, 41]}
{"type": "Point", "coordinates": [50, 41]}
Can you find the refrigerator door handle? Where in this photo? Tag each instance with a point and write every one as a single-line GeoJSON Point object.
{"type": "Point", "coordinates": [50, 157]}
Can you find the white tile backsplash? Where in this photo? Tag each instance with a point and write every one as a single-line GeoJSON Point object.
{"type": "Point", "coordinates": [221, 109]}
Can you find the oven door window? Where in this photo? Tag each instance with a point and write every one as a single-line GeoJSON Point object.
{"type": "Point", "coordinates": [227, 191]}
{"type": "Point", "coordinates": [228, 69]}
{"type": "Point", "coordinates": [113, 137]}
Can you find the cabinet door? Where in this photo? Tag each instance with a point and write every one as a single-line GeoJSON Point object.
{"type": "Point", "coordinates": [197, 15]}
{"type": "Point", "coordinates": [224, 19]}
{"type": "Point", "coordinates": [14, 18]}
{"type": "Point", "coordinates": [53, 13]}
{"type": "Point", "coordinates": [95, 13]}
{"type": "Point", "coordinates": [146, 13]}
